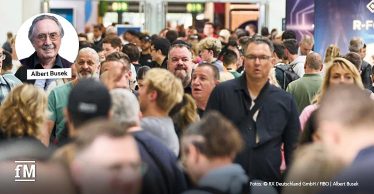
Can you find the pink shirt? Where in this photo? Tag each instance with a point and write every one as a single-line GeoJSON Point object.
{"type": "Point", "coordinates": [304, 116]}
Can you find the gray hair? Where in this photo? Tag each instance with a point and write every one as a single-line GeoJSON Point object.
{"type": "Point", "coordinates": [125, 107]}
{"type": "Point", "coordinates": [307, 39]}
{"type": "Point", "coordinates": [91, 52]}
{"type": "Point", "coordinates": [44, 17]}
{"type": "Point", "coordinates": [356, 44]}
{"type": "Point", "coordinates": [257, 39]}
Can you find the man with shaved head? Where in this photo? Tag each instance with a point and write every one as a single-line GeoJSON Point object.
{"type": "Point", "coordinates": [305, 88]}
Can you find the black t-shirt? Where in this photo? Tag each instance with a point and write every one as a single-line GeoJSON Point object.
{"type": "Point", "coordinates": [137, 67]}
{"type": "Point", "coordinates": [163, 65]}
{"type": "Point", "coordinates": [145, 59]}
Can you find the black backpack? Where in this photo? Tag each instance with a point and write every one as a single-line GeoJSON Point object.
{"type": "Point", "coordinates": [285, 75]}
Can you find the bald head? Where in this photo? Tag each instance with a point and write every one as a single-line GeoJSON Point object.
{"type": "Point", "coordinates": [313, 61]}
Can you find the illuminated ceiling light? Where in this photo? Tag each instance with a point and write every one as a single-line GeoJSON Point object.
{"type": "Point", "coordinates": [199, 7]}
{"type": "Point", "coordinates": [189, 7]}
{"type": "Point", "coordinates": [114, 6]}
{"type": "Point", "coordinates": [124, 6]}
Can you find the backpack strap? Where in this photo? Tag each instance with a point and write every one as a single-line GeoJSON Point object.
{"type": "Point", "coordinates": [292, 66]}
{"type": "Point", "coordinates": [7, 83]}
{"type": "Point", "coordinates": [283, 70]}
{"type": "Point", "coordinates": [259, 100]}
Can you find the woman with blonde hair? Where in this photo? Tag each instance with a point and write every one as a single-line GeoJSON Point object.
{"type": "Point", "coordinates": [331, 53]}
{"type": "Point", "coordinates": [184, 114]}
{"type": "Point", "coordinates": [341, 71]}
{"type": "Point", "coordinates": [24, 113]}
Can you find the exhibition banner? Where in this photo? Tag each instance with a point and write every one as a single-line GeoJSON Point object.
{"type": "Point", "coordinates": [338, 21]}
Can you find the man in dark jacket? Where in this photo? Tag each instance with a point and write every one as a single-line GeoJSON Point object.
{"type": "Point", "coordinates": [266, 116]}
{"type": "Point", "coordinates": [358, 46]}
{"type": "Point", "coordinates": [208, 157]}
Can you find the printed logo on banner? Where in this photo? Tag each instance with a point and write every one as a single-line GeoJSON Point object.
{"type": "Point", "coordinates": [25, 171]}
{"type": "Point", "coordinates": [370, 6]}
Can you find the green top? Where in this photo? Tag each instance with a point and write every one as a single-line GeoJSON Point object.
{"type": "Point", "coordinates": [235, 74]}
{"type": "Point", "coordinates": [304, 89]}
{"type": "Point", "coordinates": [57, 101]}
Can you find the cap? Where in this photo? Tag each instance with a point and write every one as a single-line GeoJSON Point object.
{"type": "Point", "coordinates": [145, 37]}
{"type": "Point", "coordinates": [89, 99]}
{"type": "Point", "coordinates": [224, 33]}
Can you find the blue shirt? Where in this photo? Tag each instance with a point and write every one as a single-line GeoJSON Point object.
{"type": "Point", "coordinates": [7, 82]}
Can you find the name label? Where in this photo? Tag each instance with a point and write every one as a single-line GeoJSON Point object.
{"type": "Point", "coordinates": [48, 73]}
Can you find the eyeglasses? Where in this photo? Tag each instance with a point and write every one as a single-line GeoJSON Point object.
{"type": "Point", "coordinates": [2, 56]}
{"type": "Point", "coordinates": [261, 58]}
{"type": "Point", "coordinates": [52, 36]}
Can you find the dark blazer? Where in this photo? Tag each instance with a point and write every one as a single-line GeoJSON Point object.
{"type": "Point", "coordinates": [365, 74]}
{"type": "Point", "coordinates": [32, 62]}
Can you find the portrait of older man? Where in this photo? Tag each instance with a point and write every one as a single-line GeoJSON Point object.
{"type": "Point", "coordinates": [45, 35]}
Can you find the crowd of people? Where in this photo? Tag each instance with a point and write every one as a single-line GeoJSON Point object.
{"type": "Point", "coordinates": [187, 112]}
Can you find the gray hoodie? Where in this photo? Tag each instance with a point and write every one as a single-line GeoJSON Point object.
{"type": "Point", "coordinates": [229, 179]}
{"type": "Point", "coordinates": [163, 129]}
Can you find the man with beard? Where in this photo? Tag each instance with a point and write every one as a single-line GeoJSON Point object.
{"type": "Point", "coordinates": [87, 64]}
{"type": "Point", "coordinates": [45, 35]}
{"type": "Point", "coordinates": [180, 64]}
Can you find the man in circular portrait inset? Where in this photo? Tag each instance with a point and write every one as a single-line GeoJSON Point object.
{"type": "Point", "coordinates": [45, 35]}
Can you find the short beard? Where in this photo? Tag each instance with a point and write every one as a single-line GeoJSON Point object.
{"type": "Point", "coordinates": [94, 75]}
{"type": "Point", "coordinates": [187, 80]}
